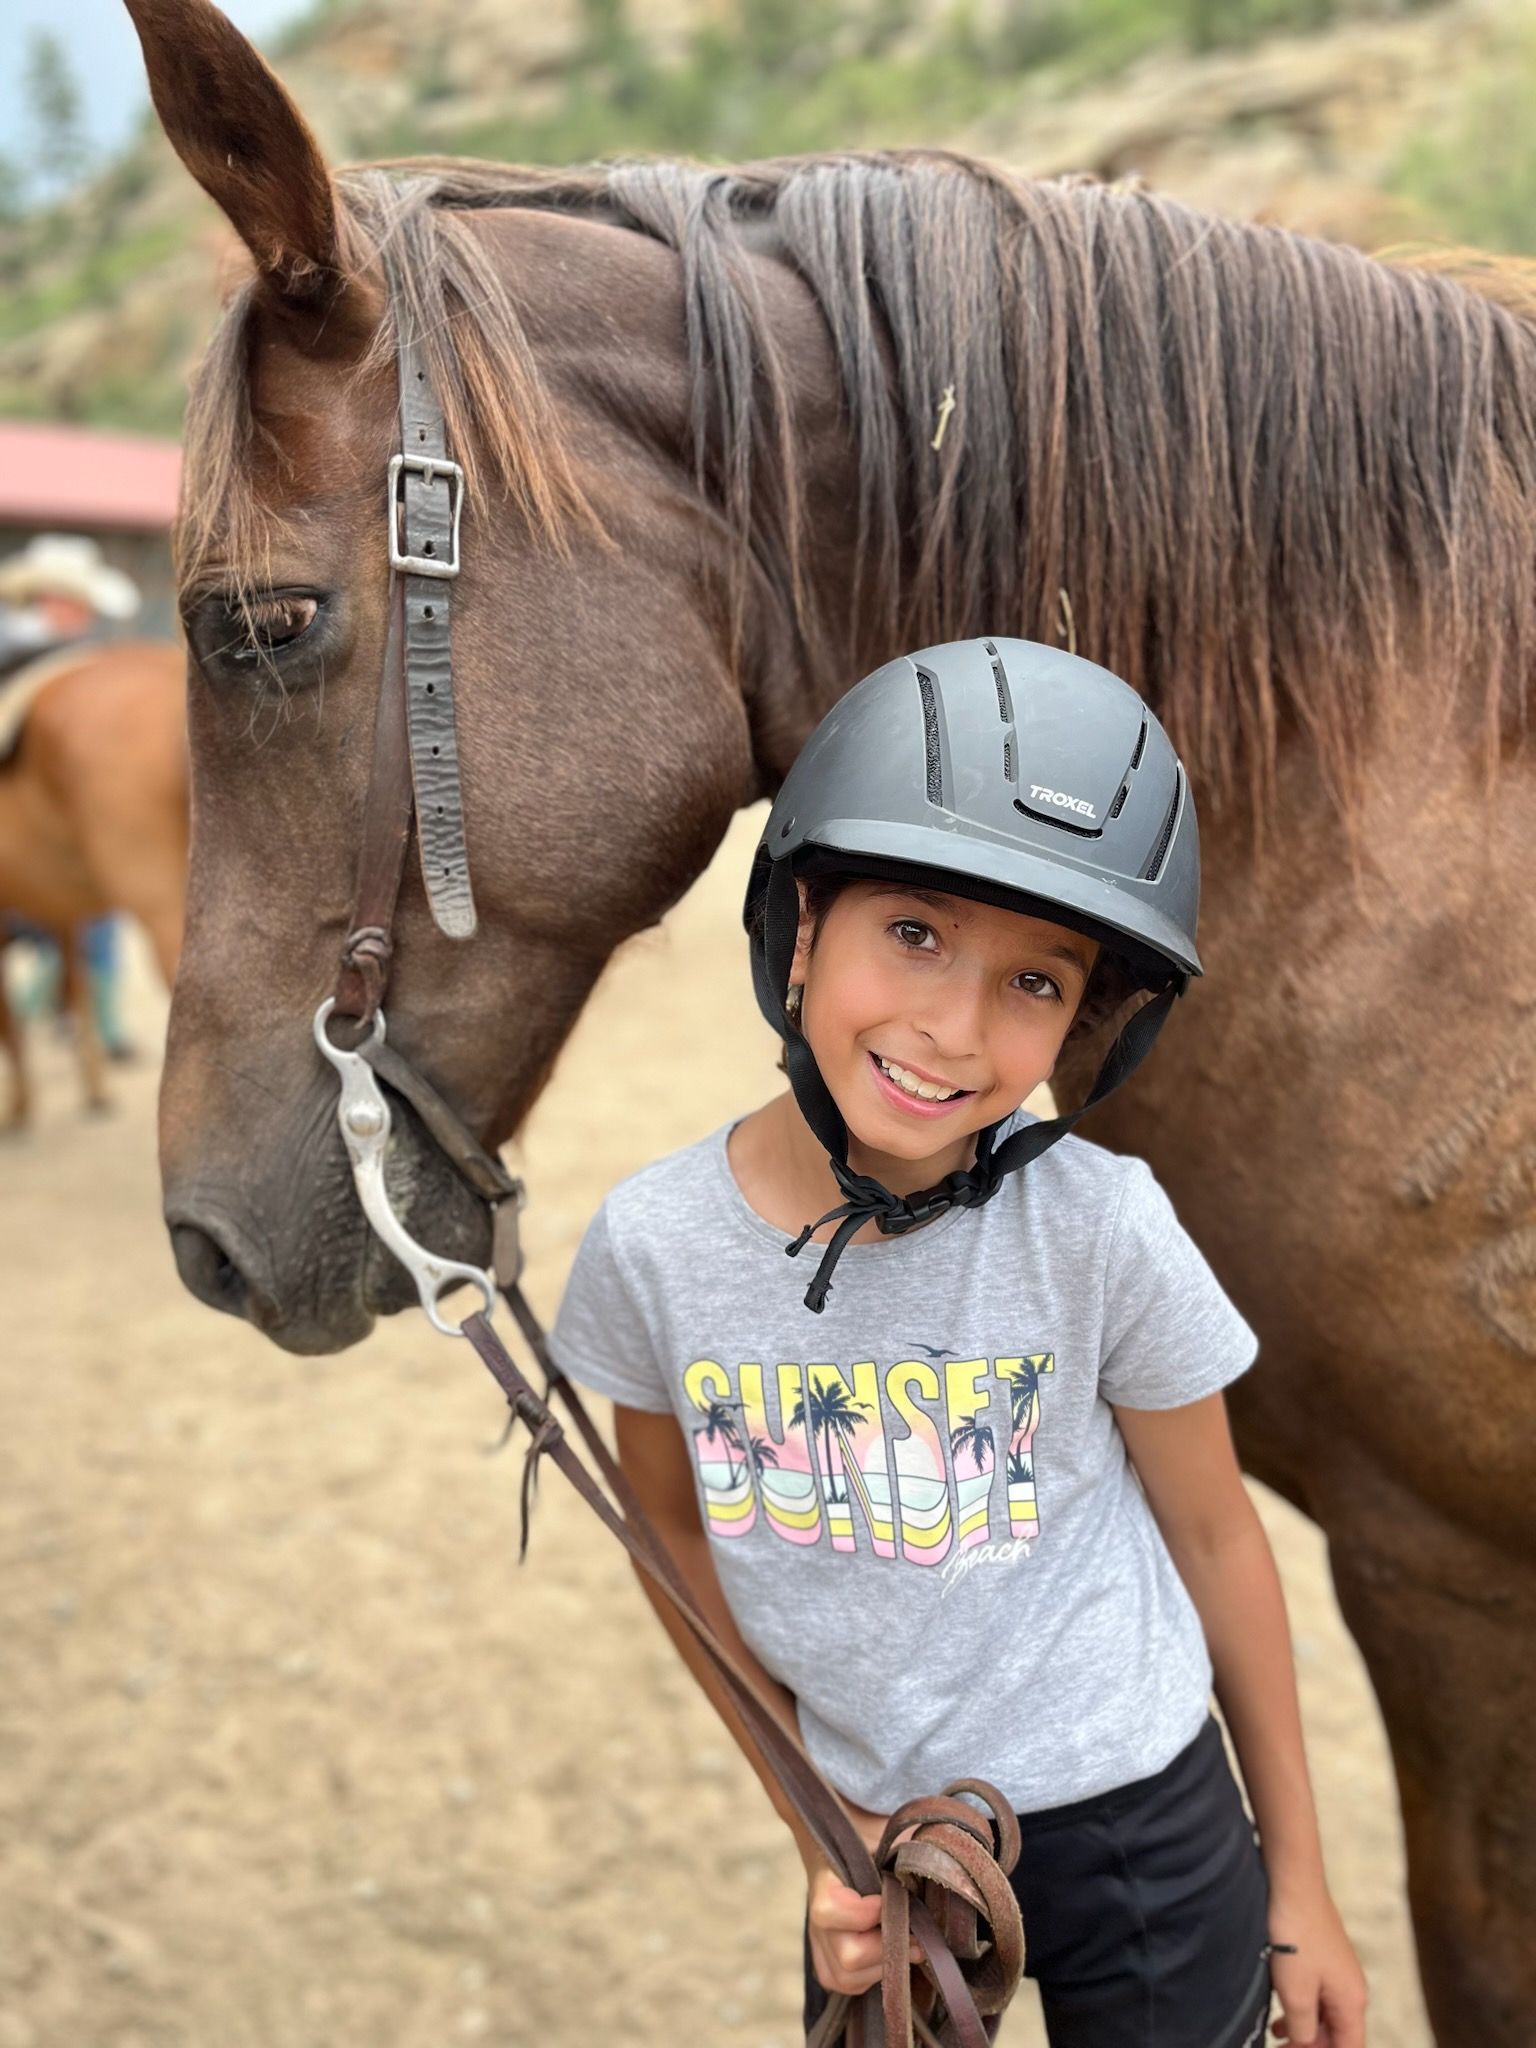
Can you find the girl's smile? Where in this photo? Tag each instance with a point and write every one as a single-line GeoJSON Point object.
{"type": "Point", "coordinates": [915, 1091]}
{"type": "Point", "coordinates": [930, 1017]}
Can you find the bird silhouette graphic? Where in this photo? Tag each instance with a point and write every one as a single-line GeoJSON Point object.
{"type": "Point", "coordinates": [941, 1351]}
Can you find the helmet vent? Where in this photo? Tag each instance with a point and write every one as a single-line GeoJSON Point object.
{"type": "Point", "coordinates": [1050, 818]}
{"type": "Point", "coordinates": [1007, 760]}
{"type": "Point", "coordinates": [1154, 866]}
{"type": "Point", "coordinates": [1004, 701]}
{"type": "Point", "coordinates": [1125, 788]}
{"type": "Point", "coordinates": [931, 737]}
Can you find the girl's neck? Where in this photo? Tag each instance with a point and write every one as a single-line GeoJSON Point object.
{"type": "Point", "coordinates": [781, 1167]}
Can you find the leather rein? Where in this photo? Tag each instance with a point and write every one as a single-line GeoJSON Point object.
{"type": "Point", "coordinates": [941, 1866]}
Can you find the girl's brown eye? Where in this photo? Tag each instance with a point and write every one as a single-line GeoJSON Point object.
{"type": "Point", "coordinates": [1047, 992]}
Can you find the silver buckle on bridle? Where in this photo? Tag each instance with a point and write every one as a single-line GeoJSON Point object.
{"type": "Point", "coordinates": [363, 1114]}
{"type": "Point", "coordinates": [429, 468]}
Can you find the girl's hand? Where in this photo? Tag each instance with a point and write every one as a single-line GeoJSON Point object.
{"type": "Point", "coordinates": [846, 1944]}
{"type": "Point", "coordinates": [1321, 1988]}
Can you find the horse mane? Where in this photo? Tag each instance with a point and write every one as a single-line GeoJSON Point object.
{"type": "Point", "coordinates": [1252, 473]}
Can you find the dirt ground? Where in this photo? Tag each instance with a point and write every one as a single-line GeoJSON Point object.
{"type": "Point", "coordinates": [292, 1755]}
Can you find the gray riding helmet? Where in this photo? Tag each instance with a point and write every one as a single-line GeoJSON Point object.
{"type": "Point", "coordinates": [1003, 770]}
{"type": "Point", "coordinates": [1010, 764]}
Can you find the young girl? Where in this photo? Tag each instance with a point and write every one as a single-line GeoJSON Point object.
{"type": "Point", "coordinates": [968, 1505]}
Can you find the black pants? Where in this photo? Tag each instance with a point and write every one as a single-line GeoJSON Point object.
{"type": "Point", "coordinates": [1145, 1912]}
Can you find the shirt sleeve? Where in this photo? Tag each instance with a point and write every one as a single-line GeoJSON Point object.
{"type": "Point", "coordinates": [1171, 1334]}
{"type": "Point", "coordinates": [600, 1337]}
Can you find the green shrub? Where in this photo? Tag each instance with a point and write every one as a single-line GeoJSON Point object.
{"type": "Point", "coordinates": [94, 281]}
{"type": "Point", "coordinates": [763, 78]}
{"type": "Point", "coordinates": [1474, 178]}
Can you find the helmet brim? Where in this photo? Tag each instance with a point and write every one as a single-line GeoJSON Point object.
{"type": "Point", "coordinates": [1010, 878]}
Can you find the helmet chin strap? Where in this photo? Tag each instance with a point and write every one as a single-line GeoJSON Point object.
{"type": "Point", "coordinates": [866, 1199]}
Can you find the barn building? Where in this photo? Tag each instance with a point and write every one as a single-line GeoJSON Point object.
{"type": "Point", "coordinates": [117, 489]}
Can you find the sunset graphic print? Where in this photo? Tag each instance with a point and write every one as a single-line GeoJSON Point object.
{"type": "Point", "coordinates": [896, 1461]}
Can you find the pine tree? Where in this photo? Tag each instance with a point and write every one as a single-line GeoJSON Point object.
{"type": "Point", "coordinates": [53, 99]}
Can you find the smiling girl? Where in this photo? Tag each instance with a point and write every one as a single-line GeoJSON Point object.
{"type": "Point", "coordinates": [967, 1504]}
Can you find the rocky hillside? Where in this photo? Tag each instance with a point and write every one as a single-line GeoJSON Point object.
{"type": "Point", "coordinates": [1365, 129]}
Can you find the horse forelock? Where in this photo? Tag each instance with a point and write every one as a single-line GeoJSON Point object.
{"type": "Point", "coordinates": [449, 296]}
{"type": "Point", "coordinates": [1257, 475]}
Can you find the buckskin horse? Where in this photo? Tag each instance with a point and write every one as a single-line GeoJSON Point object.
{"type": "Point", "coordinates": [729, 438]}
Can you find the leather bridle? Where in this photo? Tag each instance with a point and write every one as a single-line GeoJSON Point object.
{"type": "Point", "coordinates": [942, 1864]}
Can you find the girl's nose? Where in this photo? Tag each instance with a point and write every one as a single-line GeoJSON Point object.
{"type": "Point", "coordinates": [955, 1026]}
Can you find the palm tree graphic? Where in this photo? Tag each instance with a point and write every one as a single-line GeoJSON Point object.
{"type": "Point", "coordinates": [832, 1413]}
{"type": "Point", "coordinates": [1020, 1470]}
{"type": "Point", "coordinates": [1023, 1380]}
{"type": "Point", "coordinates": [974, 1436]}
{"type": "Point", "coordinates": [720, 1421]}
{"type": "Point", "coordinates": [761, 1453]}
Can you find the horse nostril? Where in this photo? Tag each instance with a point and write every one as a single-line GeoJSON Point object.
{"type": "Point", "coordinates": [207, 1270]}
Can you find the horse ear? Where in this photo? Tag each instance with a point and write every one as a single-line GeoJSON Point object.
{"type": "Point", "coordinates": [248, 146]}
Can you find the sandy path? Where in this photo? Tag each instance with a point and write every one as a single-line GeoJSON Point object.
{"type": "Point", "coordinates": [292, 1756]}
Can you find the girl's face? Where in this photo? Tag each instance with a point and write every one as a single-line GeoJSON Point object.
{"type": "Point", "coordinates": [932, 1016]}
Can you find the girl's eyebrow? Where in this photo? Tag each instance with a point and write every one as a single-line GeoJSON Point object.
{"type": "Point", "coordinates": [1068, 953]}
{"type": "Point", "coordinates": [934, 898]}
{"type": "Point", "coordinates": [1050, 949]}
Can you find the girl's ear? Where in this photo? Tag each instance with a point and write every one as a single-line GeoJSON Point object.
{"type": "Point", "coordinates": [804, 937]}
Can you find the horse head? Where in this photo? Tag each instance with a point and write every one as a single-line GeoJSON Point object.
{"type": "Point", "coordinates": [605, 727]}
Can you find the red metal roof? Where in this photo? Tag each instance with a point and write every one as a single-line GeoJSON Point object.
{"type": "Point", "coordinates": [78, 477]}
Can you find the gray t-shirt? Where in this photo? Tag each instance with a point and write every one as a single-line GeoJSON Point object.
{"type": "Point", "coordinates": [938, 1610]}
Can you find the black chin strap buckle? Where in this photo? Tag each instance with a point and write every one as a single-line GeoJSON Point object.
{"type": "Point", "coordinates": [916, 1209]}
{"type": "Point", "coordinates": [893, 1215]}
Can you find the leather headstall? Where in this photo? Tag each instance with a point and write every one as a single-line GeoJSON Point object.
{"type": "Point", "coordinates": [414, 772]}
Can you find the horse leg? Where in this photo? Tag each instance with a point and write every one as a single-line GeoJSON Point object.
{"type": "Point", "coordinates": [18, 1111]}
{"type": "Point", "coordinates": [75, 1001]}
{"type": "Point", "coordinates": [161, 910]}
{"type": "Point", "coordinates": [1445, 1620]}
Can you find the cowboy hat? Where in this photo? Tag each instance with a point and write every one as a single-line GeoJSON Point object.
{"type": "Point", "coordinates": [68, 565]}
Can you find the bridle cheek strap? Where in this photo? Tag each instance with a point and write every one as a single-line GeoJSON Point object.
{"type": "Point", "coordinates": [367, 953]}
{"type": "Point", "coordinates": [415, 765]}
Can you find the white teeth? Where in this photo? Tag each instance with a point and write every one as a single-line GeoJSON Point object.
{"type": "Point", "coordinates": [909, 1084]}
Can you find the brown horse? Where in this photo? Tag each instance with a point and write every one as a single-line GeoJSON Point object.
{"type": "Point", "coordinates": [1286, 491]}
{"type": "Point", "coordinates": [93, 815]}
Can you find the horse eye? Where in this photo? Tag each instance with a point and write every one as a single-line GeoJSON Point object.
{"type": "Point", "coordinates": [231, 633]}
{"type": "Point", "coordinates": [260, 629]}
